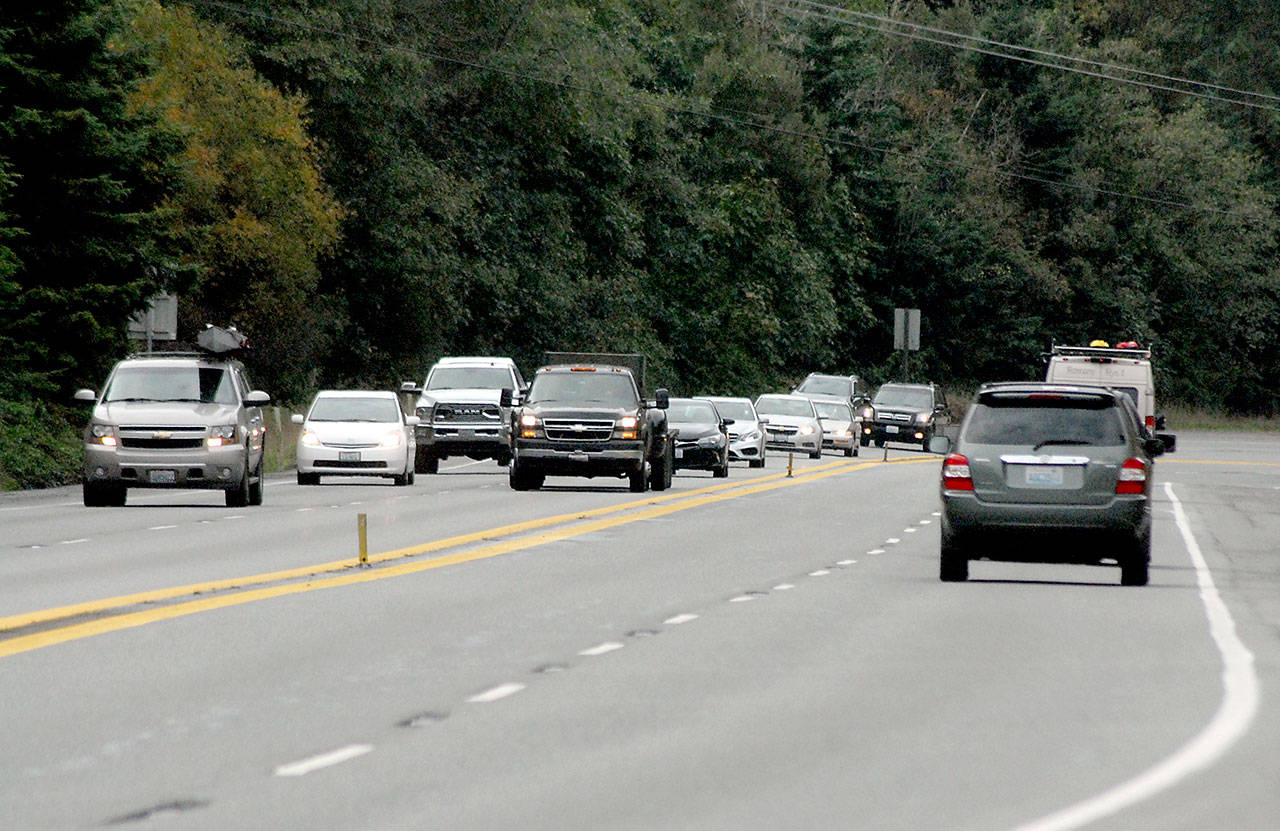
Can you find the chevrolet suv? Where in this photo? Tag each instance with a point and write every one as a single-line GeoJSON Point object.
{"type": "Point", "coordinates": [912, 413]}
{"type": "Point", "coordinates": [174, 420]}
{"type": "Point", "coordinates": [1048, 473]}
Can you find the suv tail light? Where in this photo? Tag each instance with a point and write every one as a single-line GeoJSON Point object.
{"type": "Point", "coordinates": [955, 473]}
{"type": "Point", "coordinates": [1151, 422]}
{"type": "Point", "coordinates": [1133, 477]}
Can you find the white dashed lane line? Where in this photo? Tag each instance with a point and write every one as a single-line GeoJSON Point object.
{"type": "Point", "coordinates": [601, 649]}
{"type": "Point", "coordinates": [161, 527]}
{"type": "Point", "coordinates": [497, 693]}
{"type": "Point", "coordinates": [74, 542]}
{"type": "Point", "coordinates": [678, 619]}
{"type": "Point", "coordinates": [323, 760]}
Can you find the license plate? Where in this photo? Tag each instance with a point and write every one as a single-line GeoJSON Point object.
{"type": "Point", "coordinates": [579, 456]}
{"type": "Point", "coordinates": [348, 455]}
{"type": "Point", "coordinates": [679, 452]}
{"type": "Point", "coordinates": [1044, 475]}
{"type": "Point", "coordinates": [162, 477]}
{"type": "Point", "coordinates": [891, 428]}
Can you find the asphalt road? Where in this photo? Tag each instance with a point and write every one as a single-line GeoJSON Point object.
{"type": "Point", "coordinates": [759, 652]}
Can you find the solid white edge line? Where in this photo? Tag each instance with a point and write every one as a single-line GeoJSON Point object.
{"type": "Point", "coordinates": [1235, 713]}
{"type": "Point", "coordinates": [324, 760]}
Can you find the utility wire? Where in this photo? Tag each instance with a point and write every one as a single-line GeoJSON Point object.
{"type": "Point", "coordinates": [617, 97]}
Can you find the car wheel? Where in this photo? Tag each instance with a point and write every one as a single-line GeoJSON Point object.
{"type": "Point", "coordinates": [721, 471]}
{"type": "Point", "coordinates": [238, 496]}
{"type": "Point", "coordinates": [308, 478]}
{"type": "Point", "coordinates": [410, 474]}
{"type": "Point", "coordinates": [755, 463]}
{"type": "Point", "coordinates": [636, 480]}
{"type": "Point", "coordinates": [504, 459]}
{"type": "Point", "coordinates": [815, 454]}
{"type": "Point", "coordinates": [424, 462]}
{"type": "Point", "coordinates": [520, 479]}
{"type": "Point", "coordinates": [953, 562]}
{"type": "Point", "coordinates": [256, 487]}
{"type": "Point", "coordinates": [660, 470]}
{"type": "Point", "coordinates": [400, 480]}
{"type": "Point", "coordinates": [879, 442]}
{"type": "Point", "coordinates": [850, 451]}
{"type": "Point", "coordinates": [1135, 568]}
{"type": "Point", "coordinates": [855, 451]}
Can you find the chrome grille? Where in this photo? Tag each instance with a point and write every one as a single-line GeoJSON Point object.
{"type": "Point", "coordinates": [568, 429]}
{"type": "Point", "coordinates": [467, 413]}
{"type": "Point", "coordinates": [162, 438]}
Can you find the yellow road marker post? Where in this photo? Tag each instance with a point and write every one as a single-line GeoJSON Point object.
{"type": "Point", "coordinates": [362, 528]}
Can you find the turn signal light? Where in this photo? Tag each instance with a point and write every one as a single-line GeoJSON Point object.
{"type": "Point", "coordinates": [1133, 477]}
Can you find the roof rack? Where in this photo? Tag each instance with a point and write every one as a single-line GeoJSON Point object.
{"type": "Point", "coordinates": [1137, 353]}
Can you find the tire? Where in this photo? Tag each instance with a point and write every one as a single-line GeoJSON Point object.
{"type": "Point", "coordinates": [864, 441]}
{"type": "Point", "coordinates": [637, 480]}
{"type": "Point", "coordinates": [953, 563]}
{"type": "Point", "coordinates": [238, 496]}
{"type": "Point", "coordinates": [520, 479]}
{"type": "Point", "coordinates": [879, 442]}
{"type": "Point", "coordinates": [755, 463]}
{"type": "Point", "coordinates": [855, 451]}
{"type": "Point", "coordinates": [400, 480]}
{"type": "Point", "coordinates": [816, 454]}
{"type": "Point", "coordinates": [504, 459]}
{"type": "Point", "coordinates": [308, 478]}
{"type": "Point", "coordinates": [410, 475]}
{"type": "Point", "coordinates": [850, 451]}
{"type": "Point", "coordinates": [424, 462]}
{"type": "Point", "coordinates": [256, 488]}
{"type": "Point", "coordinates": [1135, 568]}
{"type": "Point", "coordinates": [721, 471]}
{"type": "Point", "coordinates": [660, 470]}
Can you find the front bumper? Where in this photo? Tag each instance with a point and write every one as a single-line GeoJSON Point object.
{"type": "Point", "coordinates": [695, 457]}
{"type": "Point", "coordinates": [876, 431]}
{"type": "Point", "coordinates": [615, 458]}
{"type": "Point", "coordinates": [793, 441]}
{"type": "Point", "coordinates": [214, 468]}
{"type": "Point", "coordinates": [478, 441]}
{"type": "Point", "coordinates": [745, 451]}
{"type": "Point", "coordinates": [357, 461]}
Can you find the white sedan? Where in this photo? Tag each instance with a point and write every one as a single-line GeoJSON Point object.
{"type": "Point", "coordinates": [791, 423]}
{"type": "Point", "coordinates": [355, 433]}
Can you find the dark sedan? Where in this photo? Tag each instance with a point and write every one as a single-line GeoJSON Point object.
{"type": "Point", "coordinates": [701, 436]}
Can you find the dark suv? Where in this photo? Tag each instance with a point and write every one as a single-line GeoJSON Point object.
{"type": "Point", "coordinates": [175, 420]}
{"type": "Point", "coordinates": [912, 413]}
{"type": "Point", "coordinates": [1048, 473]}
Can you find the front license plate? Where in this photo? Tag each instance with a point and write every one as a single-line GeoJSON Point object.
{"type": "Point", "coordinates": [891, 428]}
{"type": "Point", "coordinates": [1044, 475]}
{"type": "Point", "coordinates": [348, 455]}
{"type": "Point", "coordinates": [162, 477]}
{"type": "Point", "coordinates": [679, 452]}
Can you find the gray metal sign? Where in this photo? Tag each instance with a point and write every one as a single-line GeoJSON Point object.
{"type": "Point", "coordinates": [906, 329]}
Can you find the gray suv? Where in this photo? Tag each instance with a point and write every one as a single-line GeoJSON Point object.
{"type": "Point", "coordinates": [174, 420]}
{"type": "Point", "coordinates": [1048, 473]}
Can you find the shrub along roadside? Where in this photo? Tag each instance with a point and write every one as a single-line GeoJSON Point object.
{"type": "Point", "coordinates": [39, 445]}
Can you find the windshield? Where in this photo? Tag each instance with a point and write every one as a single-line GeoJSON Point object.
{"type": "Point", "coordinates": [736, 410]}
{"type": "Point", "coordinates": [826, 385]}
{"type": "Point", "coordinates": [907, 397]}
{"type": "Point", "coordinates": [352, 408]}
{"type": "Point", "coordinates": [613, 389]}
{"type": "Point", "coordinates": [833, 410]}
{"type": "Point", "coordinates": [469, 378]}
{"type": "Point", "coordinates": [1044, 423]}
{"type": "Point", "coordinates": [202, 384]}
{"type": "Point", "coordinates": [784, 406]}
{"type": "Point", "coordinates": [691, 412]}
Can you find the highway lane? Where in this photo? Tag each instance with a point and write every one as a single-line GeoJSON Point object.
{"type": "Point", "coordinates": [783, 658]}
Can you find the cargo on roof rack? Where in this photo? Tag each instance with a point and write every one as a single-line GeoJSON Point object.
{"type": "Point", "coordinates": [221, 341]}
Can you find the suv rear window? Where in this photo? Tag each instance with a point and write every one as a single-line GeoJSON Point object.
{"type": "Point", "coordinates": [1035, 422]}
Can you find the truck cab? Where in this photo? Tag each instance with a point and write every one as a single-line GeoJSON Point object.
{"type": "Point", "coordinates": [1125, 367]}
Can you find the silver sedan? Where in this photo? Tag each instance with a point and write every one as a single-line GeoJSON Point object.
{"type": "Point", "coordinates": [355, 433]}
{"type": "Point", "coordinates": [791, 423]}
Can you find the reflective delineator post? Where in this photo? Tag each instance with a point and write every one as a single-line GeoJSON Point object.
{"type": "Point", "coordinates": [790, 458]}
{"type": "Point", "coordinates": [362, 529]}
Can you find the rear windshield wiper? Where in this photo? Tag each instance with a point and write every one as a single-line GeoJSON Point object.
{"type": "Point", "coordinates": [1060, 441]}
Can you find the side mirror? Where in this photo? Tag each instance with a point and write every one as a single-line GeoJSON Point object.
{"type": "Point", "coordinates": [764, 419]}
{"type": "Point", "coordinates": [1153, 446]}
{"type": "Point", "coordinates": [412, 421]}
{"type": "Point", "coordinates": [504, 398]}
{"type": "Point", "coordinates": [297, 418]}
{"type": "Point", "coordinates": [257, 398]}
{"type": "Point", "coordinates": [940, 445]}
{"type": "Point", "coordinates": [726, 421]}
{"type": "Point", "coordinates": [663, 398]}
{"type": "Point", "coordinates": [88, 396]}
{"type": "Point", "coordinates": [1169, 440]}
{"type": "Point", "coordinates": [410, 387]}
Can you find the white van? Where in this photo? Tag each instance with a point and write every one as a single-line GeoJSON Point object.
{"type": "Point", "coordinates": [1123, 368]}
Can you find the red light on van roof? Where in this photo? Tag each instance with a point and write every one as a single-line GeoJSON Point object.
{"type": "Point", "coordinates": [582, 369]}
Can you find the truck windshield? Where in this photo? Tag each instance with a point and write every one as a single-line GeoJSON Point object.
{"type": "Point", "coordinates": [203, 384]}
{"type": "Point", "coordinates": [469, 378]}
{"type": "Point", "coordinates": [611, 388]}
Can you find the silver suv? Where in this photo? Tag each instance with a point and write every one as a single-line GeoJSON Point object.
{"type": "Point", "coordinates": [1048, 473]}
{"type": "Point", "coordinates": [174, 420]}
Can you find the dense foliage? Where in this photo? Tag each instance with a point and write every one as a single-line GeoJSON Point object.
{"type": "Point", "coordinates": [744, 191]}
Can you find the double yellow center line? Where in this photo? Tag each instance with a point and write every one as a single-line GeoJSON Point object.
{"type": "Point", "coordinates": [66, 623]}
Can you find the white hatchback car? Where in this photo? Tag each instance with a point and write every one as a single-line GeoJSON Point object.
{"type": "Point", "coordinates": [355, 433]}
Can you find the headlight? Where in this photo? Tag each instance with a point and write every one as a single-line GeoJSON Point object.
{"type": "Point", "coordinates": [424, 414]}
{"type": "Point", "coordinates": [104, 434]}
{"type": "Point", "coordinates": [309, 439]}
{"type": "Point", "coordinates": [751, 436]}
{"type": "Point", "coordinates": [394, 438]}
{"type": "Point", "coordinates": [923, 418]}
{"type": "Point", "coordinates": [709, 441]}
{"type": "Point", "coordinates": [221, 436]}
{"type": "Point", "coordinates": [807, 430]}
{"type": "Point", "coordinates": [867, 412]}
{"type": "Point", "coordinates": [627, 427]}
{"type": "Point", "coordinates": [528, 426]}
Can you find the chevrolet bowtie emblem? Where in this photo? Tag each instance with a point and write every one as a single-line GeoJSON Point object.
{"type": "Point", "coordinates": [162, 434]}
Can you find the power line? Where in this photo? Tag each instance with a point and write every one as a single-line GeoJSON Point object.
{"type": "Point", "coordinates": [710, 114]}
{"type": "Point", "coordinates": [902, 28]}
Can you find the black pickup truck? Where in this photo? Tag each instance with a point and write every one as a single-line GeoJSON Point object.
{"type": "Point", "coordinates": [590, 419]}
